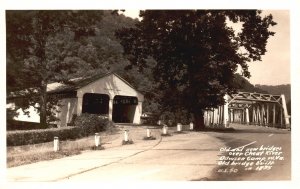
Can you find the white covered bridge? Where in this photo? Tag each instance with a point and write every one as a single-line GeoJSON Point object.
{"type": "Point", "coordinates": [107, 94]}
{"type": "Point", "coordinates": [250, 108]}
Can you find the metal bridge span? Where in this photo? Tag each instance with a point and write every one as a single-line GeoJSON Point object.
{"type": "Point", "coordinates": [250, 108]}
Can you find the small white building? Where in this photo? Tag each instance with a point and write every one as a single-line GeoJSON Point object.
{"type": "Point", "coordinates": [107, 94]}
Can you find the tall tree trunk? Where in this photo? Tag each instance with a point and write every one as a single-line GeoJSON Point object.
{"type": "Point", "coordinates": [43, 105]}
{"type": "Point", "coordinates": [199, 120]}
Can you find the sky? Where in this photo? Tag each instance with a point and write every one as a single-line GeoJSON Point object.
{"type": "Point", "coordinates": [274, 69]}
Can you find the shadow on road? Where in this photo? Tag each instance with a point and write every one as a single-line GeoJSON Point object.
{"type": "Point", "coordinates": [244, 129]}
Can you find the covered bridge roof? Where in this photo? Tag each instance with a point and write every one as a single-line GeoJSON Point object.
{"type": "Point", "coordinates": [77, 83]}
{"type": "Point", "coordinates": [71, 86]}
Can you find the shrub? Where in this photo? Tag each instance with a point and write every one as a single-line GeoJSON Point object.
{"type": "Point", "coordinates": [171, 118]}
{"type": "Point", "coordinates": [17, 138]}
{"type": "Point", "coordinates": [85, 125]}
{"type": "Point", "coordinates": [111, 127]}
{"type": "Point", "coordinates": [91, 123]}
{"type": "Point", "coordinates": [24, 125]}
{"type": "Point", "coordinates": [150, 118]}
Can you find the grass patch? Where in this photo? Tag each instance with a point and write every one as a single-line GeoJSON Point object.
{"type": "Point", "coordinates": [180, 132]}
{"type": "Point", "coordinates": [97, 147]}
{"type": "Point", "coordinates": [26, 154]}
{"type": "Point", "coordinates": [149, 138]}
{"type": "Point", "coordinates": [17, 160]}
{"type": "Point", "coordinates": [166, 135]}
{"type": "Point", "coordinates": [127, 142]}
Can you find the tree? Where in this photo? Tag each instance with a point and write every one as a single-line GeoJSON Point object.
{"type": "Point", "coordinates": [39, 52]}
{"type": "Point", "coordinates": [197, 53]}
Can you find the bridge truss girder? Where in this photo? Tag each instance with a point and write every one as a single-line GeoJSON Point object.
{"type": "Point", "coordinates": [254, 97]}
{"type": "Point", "coordinates": [250, 108]}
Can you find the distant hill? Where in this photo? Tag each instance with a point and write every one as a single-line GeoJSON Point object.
{"type": "Point", "coordinates": [277, 89]}
{"type": "Point", "coordinates": [244, 85]}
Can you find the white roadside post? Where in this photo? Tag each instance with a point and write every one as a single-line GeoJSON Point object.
{"type": "Point", "coordinates": [56, 144]}
{"type": "Point", "coordinates": [179, 127]}
{"type": "Point", "coordinates": [97, 140]}
{"type": "Point", "coordinates": [191, 126]}
{"type": "Point", "coordinates": [247, 116]}
{"type": "Point", "coordinates": [148, 133]}
{"type": "Point", "coordinates": [165, 130]}
{"type": "Point", "coordinates": [286, 116]}
{"type": "Point", "coordinates": [126, 136]}
{"type": "Point", "coordinates": [225, 112]}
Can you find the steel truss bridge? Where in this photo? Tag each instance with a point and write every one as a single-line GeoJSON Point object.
{"type": "Point", "coordinates": [250, 108]}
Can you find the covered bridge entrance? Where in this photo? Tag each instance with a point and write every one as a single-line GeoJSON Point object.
{"type": "Point", "coordinates": [124, 109]}
{"type": "Point", "coordinates": [94, 103]}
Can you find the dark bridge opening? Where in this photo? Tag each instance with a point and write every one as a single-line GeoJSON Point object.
{"type": "Point", "coordinates": [124, 109]}
{"type": "Point", "coordinates": [93, 103]}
